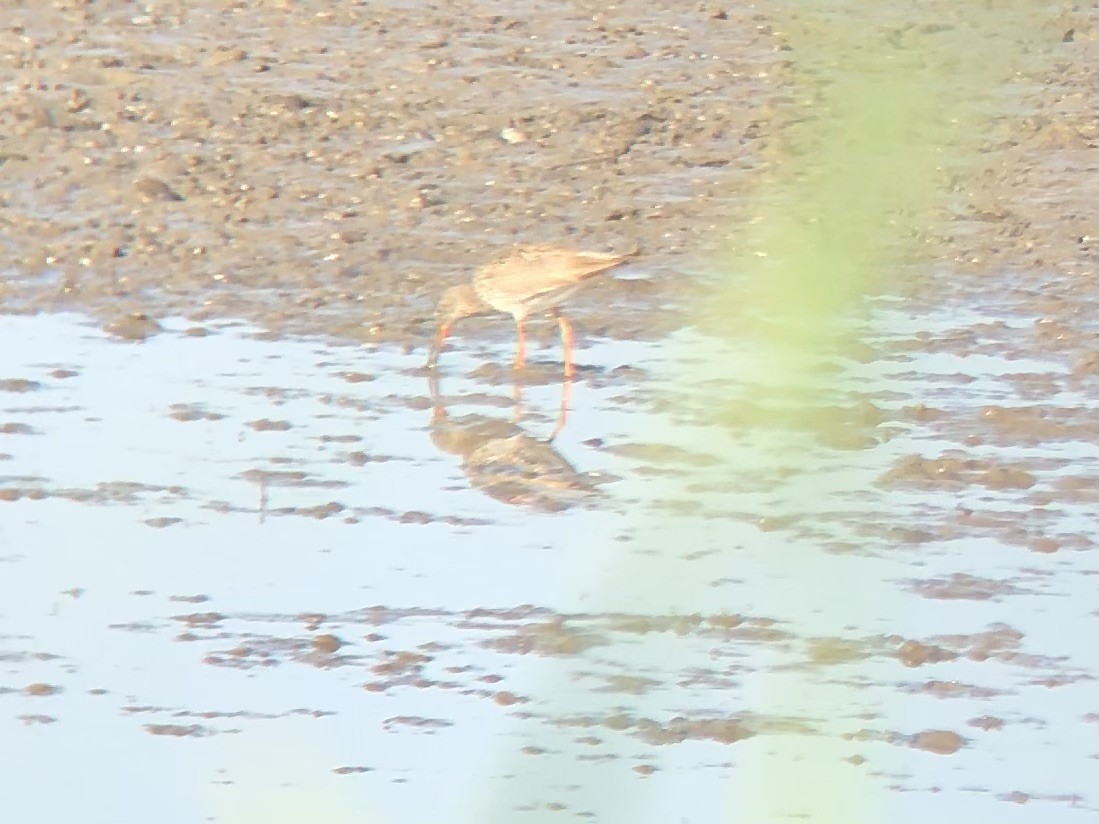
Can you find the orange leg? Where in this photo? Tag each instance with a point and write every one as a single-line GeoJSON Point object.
{"type": "Point", "coordinates": [566, 344]}
{"type": "Point", "coordinates": [520, 346]}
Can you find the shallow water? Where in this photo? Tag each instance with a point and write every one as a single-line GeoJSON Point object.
{"type": "Point", "coordinates": [653, 619]}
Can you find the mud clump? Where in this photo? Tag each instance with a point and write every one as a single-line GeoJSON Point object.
{"type": "Point", "coordinates": [40, 690]}
{"type": "Point", "coordinates": [940, 742]}
{"type": "Point", "coordinates": [136, 327]}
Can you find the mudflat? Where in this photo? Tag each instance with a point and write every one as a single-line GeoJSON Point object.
{"type": "Point", "coordinates": [331, 170]}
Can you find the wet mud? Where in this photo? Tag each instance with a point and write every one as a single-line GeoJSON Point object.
{"type": "Point", "coordinates": [240, 525]}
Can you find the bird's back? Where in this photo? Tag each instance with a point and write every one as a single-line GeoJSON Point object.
{"type": "Point", "coordinates": [533, 275]}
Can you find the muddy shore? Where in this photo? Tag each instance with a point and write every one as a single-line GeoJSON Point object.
{"type": "Point", "coordinates": [331, 171]}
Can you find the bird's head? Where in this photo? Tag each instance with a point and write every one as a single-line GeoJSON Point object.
{"type": "Point", "coordinates": [459, 302]}
{"type": "Point", "coordinates": [456, 303]}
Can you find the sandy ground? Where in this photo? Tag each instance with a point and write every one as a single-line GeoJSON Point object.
{"type": "Point", "coordinates": [328, 171]}
{"type": "Point", "coordinates": [331, 170]}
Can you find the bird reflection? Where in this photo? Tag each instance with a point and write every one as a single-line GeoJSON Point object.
{"type": "Point", "coordinates": [505, 462]}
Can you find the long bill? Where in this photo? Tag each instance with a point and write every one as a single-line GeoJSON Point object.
{"type": "Point", "coordinates": [437, 345]}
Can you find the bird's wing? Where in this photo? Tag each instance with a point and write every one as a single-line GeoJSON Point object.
{"type": "Point", "coordinates": [535, 270]}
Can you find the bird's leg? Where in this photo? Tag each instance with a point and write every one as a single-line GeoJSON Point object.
{"type": "Point", "coordinates": [520, 345]}
{"type": "Point", "coordinates": [566, 342]}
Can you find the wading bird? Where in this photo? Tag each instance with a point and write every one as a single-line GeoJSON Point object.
{"type": "Point", "coordinates": [531, 280]}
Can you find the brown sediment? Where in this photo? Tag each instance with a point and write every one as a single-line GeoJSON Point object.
{"type": "Point", "coordinates": [336, 185]}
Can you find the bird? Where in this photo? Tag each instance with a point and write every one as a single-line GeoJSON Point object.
{"type": "Point", "coordinates": [529, 280]}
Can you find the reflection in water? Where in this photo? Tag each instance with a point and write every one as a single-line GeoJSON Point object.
{"type": "Point", "coordinates": [507, 463]}
{"type": "Point", "coordinates": [975, 580]}
{"type": "Point", "coordinates": [261, 479]}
